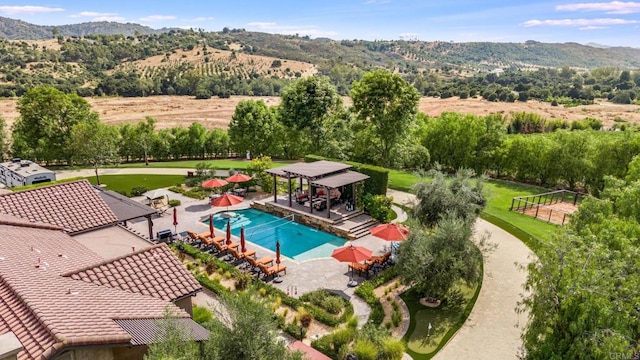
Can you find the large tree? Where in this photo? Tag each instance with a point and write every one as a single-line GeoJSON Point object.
{"type": "Point", "coordinates": [435, 260]}
{"type": "Point", "coordinates": [389, 104]}
{"type": "Point", "coordinates": [306, 106]}
{"type": "Point", "coordinates": [95, 144]}
{"type": "Point", "coordinates": [254, 128]}
{"type": "Point", "coordinates": [583, 289]}
{"type": "Point", "coordinates": [245, 329]}
{"type": "Point", "coordinates": [43, 129]}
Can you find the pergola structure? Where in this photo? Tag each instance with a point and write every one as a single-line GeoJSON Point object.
{"type": "Point", "coordinates": [328, 175]}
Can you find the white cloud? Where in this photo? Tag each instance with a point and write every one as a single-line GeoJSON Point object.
{"type": "Point", "coordinates": [152, 18]}
{"type": "Point", "coordinates": [593, 28]}
{"type": "Point", "coordinates": [91, 14]}
{"type": "Point", "coordinates": [308, 30]}
{"type": "Point", "coordinates": [579, 22]}
{"type": "Point", "coordinates": [203, 18]}
{"type": "Point", "coordinates": [31, 10]}
{"type": "Point", "coordinates": [613, 7]}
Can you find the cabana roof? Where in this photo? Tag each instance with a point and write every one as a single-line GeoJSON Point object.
{"type": "Point", "coordinates": [310, 170]}
{"type": "Point", "coordinates": [341, 179]}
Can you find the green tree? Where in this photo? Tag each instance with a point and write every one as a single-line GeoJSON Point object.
{"type": "Point", "coordinates": [172, 341]}
{"type": "Point", "coordinates": [257, 170]}
{"type": "Point", "coordinates": [95, 144]}
{"type": "Point", "coordinates": [435, 260]}
{"type": "Point", "coordinates": [461, 196]}
{"type": "Point", "coordinates": [389, 104]}
{"type": "Point", "coordinates": [145, 134]}
{"type": "Point", "coordinates": [197, 140]}
{"type": "Point", "coordinates": [245, 330]}
{"type": "Point", "coordinates": [43, 129]}
{"type": "Point", "coordinates": [307, 104]}
{"type": "Point", "coordinates": [3, 138]}
{"type": "Point", "coordinates": [253, 128]}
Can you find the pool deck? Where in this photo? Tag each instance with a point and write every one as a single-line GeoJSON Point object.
{"type": "Point", "coordinates": [301, 277]}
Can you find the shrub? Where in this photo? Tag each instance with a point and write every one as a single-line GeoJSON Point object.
{"type": "Point", "coordinates": [332, 304]}
{"type": "Point", "coordinates": [174, 202]}
{"type": "Point", "coordinates": [378, 206]}
{"type": "Point", "coordinates": [201, 314]}
{"type": "Point", "coordinates": [138, 190]}
{"type": "Point", "coordinates": [392, 349]}
{"type": "Point", "coordinates": [365, 350]}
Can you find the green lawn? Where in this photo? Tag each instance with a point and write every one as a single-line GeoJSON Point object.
{"type": "Point", "coordinates": [499, 194]}
{"type": "Point", "coordinates": [445, 321]}
{"type": "Point", "coordinates": [238, 164]}
{"type": "Point", "coordinates": [124, 183]}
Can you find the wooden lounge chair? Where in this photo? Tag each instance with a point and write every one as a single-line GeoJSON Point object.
{"type": "Point", "coordinates": [381, 259]}
{"type": "Point", "coordinates": [241, 255]}
{"type": "Point", "coordinates": [272, 270]}
{"type": "Point", "coordinates": [223, 248]}
{"type": "Point", "coordinates": [193, 238]}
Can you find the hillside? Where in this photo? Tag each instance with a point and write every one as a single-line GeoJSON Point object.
{"type": "Point", "coordinates": [20, 30]}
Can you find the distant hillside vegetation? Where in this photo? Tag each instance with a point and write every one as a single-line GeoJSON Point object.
{"type": "Point", "coordinates": [20, 30]}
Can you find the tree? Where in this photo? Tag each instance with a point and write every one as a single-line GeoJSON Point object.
{"type": "Point", "coordinates": [435, 260]}
{"type": "Point", "coordinates": [43, 129]}
{"type": "Point", "coordinates": [3, 137]}
{"type": "Point", "coordinates": [253, 128]}
{"type": "Point", "coordinates": [307, 104]}
{"type": "Point", "coordinates": [95, 144]}
{"type": "Point", "coordinates": [172, 341]}
{"type": "Point", "coordinates": [245, 329]}
{"type": "Point", "coordinates": [389, 104]}
{"type": "Point", "coordinates": [582, 290]}
{"type": "Point", "coordinates": [460, 196]}
{"type": "Point", "coordinates": [144, 133]}
{"type": "Point", "coordinates": [257, 170]}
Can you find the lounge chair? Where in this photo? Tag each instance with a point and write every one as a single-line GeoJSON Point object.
{"type": "Point", "coordinates": [192, 238]}
{"type": "Point", "coordinates": [239, 256]}
{"type": "Point", "coordinates": [223, 248]}
{"type": "Point", "coordinates": [382, 260]}
{"type": "Point", "coordinates": [272, 270]}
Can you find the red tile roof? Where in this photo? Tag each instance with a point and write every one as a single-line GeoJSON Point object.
{"type": "Point", "coordinates": [48, 312]}
{"type": "Point", "coordinates": [154, 271]}
{"type": "Point", "coordinates": [74, 206]}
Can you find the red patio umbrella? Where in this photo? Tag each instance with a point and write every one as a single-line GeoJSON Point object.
{"type": "Point", "coordinates": [175, 219]}
{"type": "Point", "coordinates": [211, 225]}
{"type": "Point", "coordinates": [242, 240]}
{"type": "Point", "coordinates": [214, 183]}
{"type": "Point", "coordinates": [278, 252]}
{"type": "Point", "coordinates": [226, 200]}
{"type": "Point", "coordinates": [351, 254]}
{"type": "Point", "coordinates": [228, 232]}
{"type": "Point", "coordinates": [238, 178]}
{"type": "Point", "coordinates": [390, 232]}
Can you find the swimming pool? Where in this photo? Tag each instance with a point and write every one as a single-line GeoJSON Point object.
{"type": "Point", "coordinates": [297, 241]}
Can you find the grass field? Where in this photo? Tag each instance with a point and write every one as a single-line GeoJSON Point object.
{"type": "Point", "coordinates": [191, 164]}
{"type": "Point", "coordinates": [124, 183]}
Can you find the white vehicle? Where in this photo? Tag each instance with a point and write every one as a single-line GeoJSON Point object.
{"type": "Point", "coordinates": [18, 172]}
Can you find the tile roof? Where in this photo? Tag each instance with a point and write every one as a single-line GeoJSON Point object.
{"type": "Point", "coordinates": [75, 206]}
{"type": "Point", "coordinates": [153, 271]}
{"type": "Point", "coordinates": [49, 312]}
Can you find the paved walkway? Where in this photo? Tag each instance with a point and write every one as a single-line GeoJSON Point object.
{"type": "Point", "coordinates": [493, 328]}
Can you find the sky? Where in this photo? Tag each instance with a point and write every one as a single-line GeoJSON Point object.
{"type": "Point", "coordinates": [614, 23]}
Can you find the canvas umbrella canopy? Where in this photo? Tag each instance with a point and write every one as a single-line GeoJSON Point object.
{"type": "Point", "coordinates": [226, 200]}
{"type": "Point", "coordinates": [175, 219]}
{"type": "Point", "coordinates": [214, 183]}
{"type": "Point", "coordinates": [390, 232]}
{"type": "Point", "coordinates": [228, 232]}
{"type": "Point", "coordinates": [239, 178]}
{"type": "Point", "coordinates": [243, 245]}
{"type": "Point", "coordinates": [277, 279]}
{"type": "Point", "coordinates": [351, 254]}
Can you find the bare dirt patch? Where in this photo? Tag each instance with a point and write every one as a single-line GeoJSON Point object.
{"type": "Point", "coordinates": [173, 111]}
{"type": "Point", "coordinates": [557, 213]}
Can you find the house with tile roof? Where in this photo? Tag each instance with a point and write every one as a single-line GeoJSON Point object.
{"type": "Point", "coordinates": [62, 300]}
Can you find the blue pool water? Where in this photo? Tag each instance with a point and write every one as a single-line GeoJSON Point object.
{"type": "Point", "coordinates": [297, 241]}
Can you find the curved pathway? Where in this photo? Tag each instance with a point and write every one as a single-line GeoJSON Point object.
{"type": "Point", "coordinates": [493, 328]}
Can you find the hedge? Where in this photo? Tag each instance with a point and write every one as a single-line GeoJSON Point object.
{"type": "Point", "coordinates": [378, 177]}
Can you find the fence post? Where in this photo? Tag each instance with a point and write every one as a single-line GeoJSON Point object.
{"type": "Point", "coordinates": [512, 201]}
{"type": "Point", "coordinates": [575, 199]}
{"type": "Point", "coordinates": [537, 209]}
{"type": "Point", "coordinates": [563, 218]}
{"type": "Point", "coordinates": [550, 212]}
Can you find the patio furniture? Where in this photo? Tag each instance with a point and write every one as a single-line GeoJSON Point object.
{"type": "Point", "coordinates": [272, 270]}
{"type": "Point", "coordinates": [254, 263]}
{"type": "Point", "coordinates": [362, 269]}
{"type": "Point", "coordinates": [239, 256]}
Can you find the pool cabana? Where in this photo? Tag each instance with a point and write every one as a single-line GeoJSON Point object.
{"type": "Point", "coordinates": [323, 174]}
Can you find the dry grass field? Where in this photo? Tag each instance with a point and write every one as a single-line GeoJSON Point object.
{"type": "Point", "coordinates": [183, 110]}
